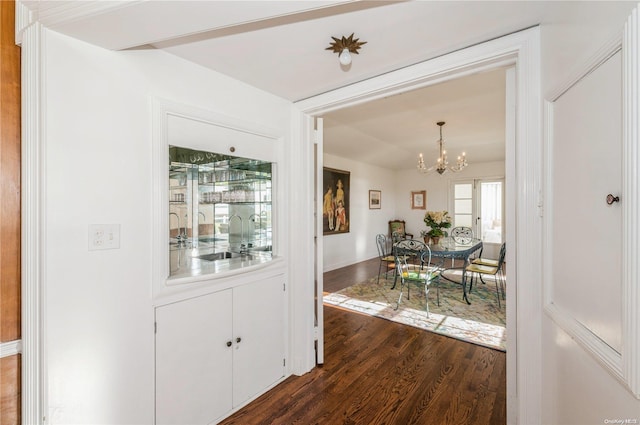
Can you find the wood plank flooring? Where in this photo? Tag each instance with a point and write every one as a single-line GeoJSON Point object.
{"type": "Point", "coordinates": [380, 372]}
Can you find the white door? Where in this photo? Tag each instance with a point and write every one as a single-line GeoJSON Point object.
{"type": "Point", "coordinates": [193, 360]}
{"type": "Point", "coordinates": [587, 232]}
{"type": "Point", "coordinates": [479, 204]}
{"type": "Point", "coordinates": [258, 337]}
{"type": "Point", "coordinates": [319, 249]}
{"type": "Point", "coordinates": [490, 215]}
{"type": "Point", "coordinates": [464, 201]}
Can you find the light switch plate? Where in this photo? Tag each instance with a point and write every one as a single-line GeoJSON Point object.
{"type": "Point", "coordinates": [104, 236]}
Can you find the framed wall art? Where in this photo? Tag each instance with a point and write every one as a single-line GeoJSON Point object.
{"type": "Point", "coordinates": [335, 204]}
{"type": "Point", "coordinates": [375, 199]}
{"type": "Point", "coordinates": [419, 200]}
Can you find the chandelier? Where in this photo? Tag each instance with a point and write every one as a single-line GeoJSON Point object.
{"type": "Point", "coordinates": [442, 164]}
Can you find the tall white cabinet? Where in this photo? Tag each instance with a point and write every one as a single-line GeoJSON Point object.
{"type": "Point", "coordinates": [217, 351]}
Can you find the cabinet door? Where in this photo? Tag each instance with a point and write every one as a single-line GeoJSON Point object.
{"type": "Point", "coordinates": [193, 361]}
{"type": "Point", "coordinates": [258, 319]}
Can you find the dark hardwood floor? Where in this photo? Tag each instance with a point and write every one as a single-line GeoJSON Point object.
{"type": "Point", "coordinates": [380, 372]}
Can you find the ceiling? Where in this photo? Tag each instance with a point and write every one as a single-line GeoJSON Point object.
{"type": "Point", "coordinates": [280, 47]}
{"type": "Point", "coordinates": [392, 131]}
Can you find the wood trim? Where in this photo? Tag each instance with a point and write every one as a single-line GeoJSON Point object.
{"type": "Point", "coordinates": [33, 233]}
{"type": "Point", "coordinates": [631, 205]}
{"type": "Point", "coordinates": [10, 348]}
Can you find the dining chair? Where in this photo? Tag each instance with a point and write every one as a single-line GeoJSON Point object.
{"type": "Point", "coordinates": [488, 261]}
{"type": "Point", "coordinates": [397, 228]}
{"type": "Point", "coordinates": [488, 267]}
{"type": "Point", "coordinates": [386, 258]}
{"type": "Point", "coordinates": [413, 265]}
{"type": "Point", "coordinates": [462, 235]}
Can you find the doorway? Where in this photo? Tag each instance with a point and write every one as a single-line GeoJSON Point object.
{"type": "Point", "coordinates": [479, 204]}
{"type": "Point", "coordinates": [523, 151]}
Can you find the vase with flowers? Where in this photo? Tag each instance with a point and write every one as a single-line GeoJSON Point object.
{"type": "Point", "coordinates": [437, 221]}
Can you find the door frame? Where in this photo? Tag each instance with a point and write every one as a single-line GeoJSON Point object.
{"type": "Point", "coordinates": [523, 152]}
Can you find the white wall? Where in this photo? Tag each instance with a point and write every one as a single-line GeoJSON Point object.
{"type": "Point", "coordinates": [438, 190]}
{"type": "Point", "coordinates": [578, 390]}
{"type": "Point", "coordinates": [98, 314]}
{"type": "Point", "coordinates": [360, 243]}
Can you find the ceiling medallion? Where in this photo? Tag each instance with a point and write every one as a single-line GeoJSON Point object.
{"type": "Point", "coordinates": [344, 47]}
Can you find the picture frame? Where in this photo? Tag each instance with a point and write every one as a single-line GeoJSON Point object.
{"type": "Point", "coordinates": [375, 199]}
{"type": "Point", "coordinates": [419, 200]}
{"type": "Point", "coordinates": [335, 201]}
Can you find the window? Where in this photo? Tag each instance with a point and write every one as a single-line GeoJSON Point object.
{"type": "Point", "coordinates": [479, 204]}
{"type": "Point", "coordinates": [463, 205]}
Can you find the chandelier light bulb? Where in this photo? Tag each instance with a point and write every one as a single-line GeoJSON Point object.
{"type": "Point", "coordinates": [345, 57]}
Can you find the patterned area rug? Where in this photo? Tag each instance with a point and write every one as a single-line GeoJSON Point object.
{"type": "Point", "coordinates": [481, 323]}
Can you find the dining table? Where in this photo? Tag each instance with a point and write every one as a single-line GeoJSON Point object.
{"type": "Point", "coordinates": [455, 249]}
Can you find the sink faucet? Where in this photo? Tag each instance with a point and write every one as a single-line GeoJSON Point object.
{"type": "Point", "coordinates": [243, 247]}
{"type": "Point", "coordinates": [253, 218]}
{"type": "Point", "coordinates": [182, 231]}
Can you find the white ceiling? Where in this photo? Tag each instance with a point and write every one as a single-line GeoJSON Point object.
{"type": "Point", "coordinates": [279, 47]}
{"type": "Point", "coordinates": [391, 132]}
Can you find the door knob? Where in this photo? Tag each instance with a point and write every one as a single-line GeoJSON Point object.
{"type": "Point", "coordinates": [611, 199]}
{"type": "Point", "coordinates": [238, 339]}
{"type": "Point", "coordinates": [229, 343]}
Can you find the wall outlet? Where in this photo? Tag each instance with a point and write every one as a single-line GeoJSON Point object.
{"type": "Point", "coordinates": [104, 236]}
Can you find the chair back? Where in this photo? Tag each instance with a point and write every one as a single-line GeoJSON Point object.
{"type": "Point", "coordinates": [462, 235]}
{"type": "Point", "coordinates": [381, 243]}
{"type": "Point", "coordinates": [408, 249]}
{"type": "Point", "coordinates": [503, 252]}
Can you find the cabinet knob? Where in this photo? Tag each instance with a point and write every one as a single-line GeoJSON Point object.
{"type": "Point", "coordinates": [238, 339]}
{"type": "Point", "coordinates": [229, 343]}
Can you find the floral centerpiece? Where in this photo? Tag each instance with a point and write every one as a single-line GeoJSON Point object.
{"type": "Point", "coordinates": [437, 221]}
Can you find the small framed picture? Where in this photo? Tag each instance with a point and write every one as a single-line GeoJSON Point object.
{"type": "Point", "coordinates": [419, 200]}
{"type": "Point", "coordinates": [375, 199]}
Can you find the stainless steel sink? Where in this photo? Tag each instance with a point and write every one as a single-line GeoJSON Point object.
{"type": "Point", "coordinates": [225, 255]}
{"type": "Point", "coordinates": [218, 256]}
{"type": "Point", "coordinates": [260, 248]}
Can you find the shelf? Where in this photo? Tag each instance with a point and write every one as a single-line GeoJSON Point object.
{"type": "Point", "coordinates": [212, 188]}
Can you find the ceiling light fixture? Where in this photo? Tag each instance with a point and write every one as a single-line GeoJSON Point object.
{"type": "Point", "coordinates": [442, 165]}
{"type": "Point", "coordinates": [344, 47]}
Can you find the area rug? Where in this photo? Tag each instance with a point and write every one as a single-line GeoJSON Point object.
{"type": "Point", "coordinates": [482, 322]}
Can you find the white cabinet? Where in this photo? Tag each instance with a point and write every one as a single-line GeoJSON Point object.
{"type": "Point", "coordinates": [193, 362]}
{"type": "Point", "coordinates": [215, 352]}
